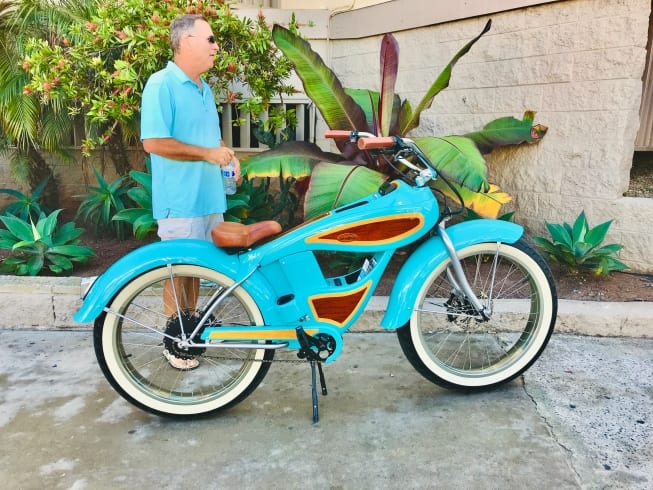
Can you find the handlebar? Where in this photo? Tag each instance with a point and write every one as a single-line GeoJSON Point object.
{"type": "Point", "coordinates": [338, 134]}
{"type": "Point", "coordinates": [400, 148]}
{"type": "Point", "coordinates": [364, 141]}
{"type": "Point", "coordinates": [376, 142]}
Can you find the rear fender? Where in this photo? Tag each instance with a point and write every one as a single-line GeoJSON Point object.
{"type": "Point", "coordinates": [141, 260]}
{"type": "Point", "coordinates": [431, 253]}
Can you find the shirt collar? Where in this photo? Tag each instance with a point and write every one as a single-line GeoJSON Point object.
{"type": "Point", "coordinates": [179, 73]}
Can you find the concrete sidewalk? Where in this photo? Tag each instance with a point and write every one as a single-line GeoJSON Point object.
{"type": "Point", "coordinates": [581, 417]}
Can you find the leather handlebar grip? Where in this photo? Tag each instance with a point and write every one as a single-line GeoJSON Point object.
{"type": "Point", "coordinates": [371, 143]}
{"type": "Point", "coordinates": [337, 134]}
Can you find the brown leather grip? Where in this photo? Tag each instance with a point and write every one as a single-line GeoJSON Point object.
{"type": "Point", "coordinates": [371, 143]}
{"type": "Point", "coordinates": [337, 134]}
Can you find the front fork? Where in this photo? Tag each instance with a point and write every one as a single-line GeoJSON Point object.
{"type": "Point", "coordinates": [460, 282]}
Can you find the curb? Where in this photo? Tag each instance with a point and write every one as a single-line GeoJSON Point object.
{"type": "Point", "coordinates": [50, 302]}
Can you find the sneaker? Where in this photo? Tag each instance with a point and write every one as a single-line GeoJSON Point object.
{"type": "Point", "coordinates": [179, 363]}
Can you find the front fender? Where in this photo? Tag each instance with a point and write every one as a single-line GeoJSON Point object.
{"type": "Point", "coordinates": [431, 253]}
{"type": "Point", "coordinates": [186, 251]}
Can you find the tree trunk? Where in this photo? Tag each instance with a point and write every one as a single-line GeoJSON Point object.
{"type": "Point", "coordinates": [39, 171]}
{"type": "Point", "coordinates": [118, 152]}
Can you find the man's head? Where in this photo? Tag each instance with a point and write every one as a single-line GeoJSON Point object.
{"type": "Point", "coordinates": [193, 43]}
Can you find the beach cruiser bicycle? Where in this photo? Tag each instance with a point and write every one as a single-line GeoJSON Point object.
{"type": "Point", "coordinates": [473, 305]}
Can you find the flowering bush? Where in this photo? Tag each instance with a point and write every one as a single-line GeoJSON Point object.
{"type": "Point", "coordinates": [99, 65]}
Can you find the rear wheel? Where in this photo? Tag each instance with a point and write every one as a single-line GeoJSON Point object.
{"type": "Point", "coordinates": [447, 342]}
{"type": "Point", "coordinates": [131, 338]}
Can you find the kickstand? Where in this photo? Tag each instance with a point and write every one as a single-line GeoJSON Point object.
{"type": "Point", "coordinates": [310, 349]}
{"type": "Point", "coordinates": [316, 411]}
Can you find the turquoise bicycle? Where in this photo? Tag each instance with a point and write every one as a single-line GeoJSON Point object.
{"type": "Point", "coordinates": [473, 304]}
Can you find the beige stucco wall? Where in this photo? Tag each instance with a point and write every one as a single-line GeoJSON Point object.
{"type": "Point", "coordinates": [579, 64]}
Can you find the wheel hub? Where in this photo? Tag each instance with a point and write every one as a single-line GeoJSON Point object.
{"type": "Point", "coordinates": [174, 341]}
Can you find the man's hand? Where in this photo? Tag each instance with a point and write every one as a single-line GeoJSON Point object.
{"type": "Point", "coordinates": [221, 155]}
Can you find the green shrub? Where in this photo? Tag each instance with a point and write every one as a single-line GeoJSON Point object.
{"type": "Point", "coordinates": [140, 217]}
{"type": "Point", "coordinates": [255, 201]}
{"type": "Point", "coordinates": [579, 246]}
{"type": "Point", "coordinates": [33, 246]}
{"type": "Point", "coordinates": [26, 206]}
{"type": "Point", "coordinates": [100, 204]}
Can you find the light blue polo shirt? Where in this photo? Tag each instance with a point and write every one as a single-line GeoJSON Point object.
{"type": "Point", "coordinates": [174, 107]}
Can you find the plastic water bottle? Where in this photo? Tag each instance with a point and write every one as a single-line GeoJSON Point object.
{"type": "Point", "coordinates": [229, 178]}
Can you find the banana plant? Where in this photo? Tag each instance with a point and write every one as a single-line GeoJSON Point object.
{"type": "Point", "coordinates": [384, 113]}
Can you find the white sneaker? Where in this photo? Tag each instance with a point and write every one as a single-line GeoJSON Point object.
{"type": "Point", "coordinates": [179, 363]}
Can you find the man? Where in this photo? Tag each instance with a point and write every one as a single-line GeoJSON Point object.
{"type": "Point", "coordinates": [180, 129]}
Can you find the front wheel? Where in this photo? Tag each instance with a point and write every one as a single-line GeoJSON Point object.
{"type": "Point", "coordinates": [447, 342]}
{"type": "Point", "coordinates": [143, 323]}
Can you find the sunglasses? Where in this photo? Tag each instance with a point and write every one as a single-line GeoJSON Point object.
{"type": "Point", "coordinates": [210, 39]}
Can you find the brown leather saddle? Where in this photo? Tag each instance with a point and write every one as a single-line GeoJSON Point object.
{"type": "Point", "coordinates": [231, 235]}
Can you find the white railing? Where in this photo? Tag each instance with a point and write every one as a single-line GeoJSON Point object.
{"type": "Point", "coordinates": [242, 137]}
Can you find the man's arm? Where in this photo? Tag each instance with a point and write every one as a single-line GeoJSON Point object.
{"type": "Point", "coordinates": [176, 150]}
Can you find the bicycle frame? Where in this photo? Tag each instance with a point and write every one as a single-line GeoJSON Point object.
{"type": "Point", "coordinates": [285, 280]}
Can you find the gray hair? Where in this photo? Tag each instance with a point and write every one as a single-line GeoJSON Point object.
{"type": "Point", "coordinates": [181, 25]}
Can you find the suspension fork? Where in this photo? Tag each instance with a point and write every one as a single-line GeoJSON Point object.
{"type": "Point", "coordinates": [460, 281]}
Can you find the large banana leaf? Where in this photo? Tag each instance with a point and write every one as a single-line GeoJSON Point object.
{"type": "Point", "coordinates": [508, 131]}
{"type": "Point", "coordinates": [410, 118]}
{"type": "Point", "coordinates": [389, 67]}
{"type": "Point", "coordinates": [320, 83]}
{"type": "Point", "coordinates": [291, 159]}
{"type": "Point", "coordinates": [335, 185]}
{"type": "Point", "coordinates": [485, 204]}
{"type": "Point", "coordinates": [458, 158]}
{"type": "Point", "coordinates": [368, 101]}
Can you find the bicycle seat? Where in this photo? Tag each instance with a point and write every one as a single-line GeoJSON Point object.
{"type": "Point", "coordinates": [237, 235]}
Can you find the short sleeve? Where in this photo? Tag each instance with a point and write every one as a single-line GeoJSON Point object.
{"type": "Point", "coordinates": [156, 110]}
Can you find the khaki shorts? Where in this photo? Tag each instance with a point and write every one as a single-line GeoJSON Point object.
{"type": "Point", "coordinates": [198, 227]}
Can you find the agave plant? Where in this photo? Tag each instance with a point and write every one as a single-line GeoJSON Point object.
{"type": "Point", "coordinates": [33, 246]}
{"type": "Point", "coordinates": [140, 217]}
{"type": "Point", "coordinates": [25, 206]}
{"type": "Point", "coordinates": [102, 202]}
{"type": "Point", "coordinates": [579, 247]}
{"type": "Point", "coordinates": [385, 113]}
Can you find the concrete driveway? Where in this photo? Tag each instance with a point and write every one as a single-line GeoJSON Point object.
{"type": "Point", "coordinates": [580, 418]}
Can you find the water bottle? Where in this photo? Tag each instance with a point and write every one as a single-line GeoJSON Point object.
{"type": "Point", "coordinates": [229, 178]}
